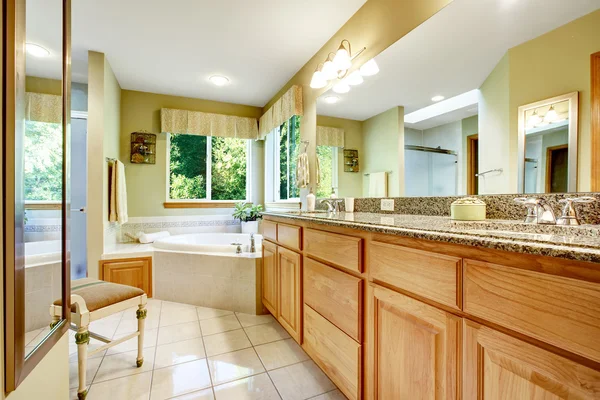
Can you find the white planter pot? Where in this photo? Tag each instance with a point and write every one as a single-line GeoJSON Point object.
{"type": "Point", "coordinates": [250, 227]}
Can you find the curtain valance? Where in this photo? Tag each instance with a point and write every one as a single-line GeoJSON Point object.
{"type": "Point", "coordinates": [43, 107]}
{"type": "Point", "coordinates": [328, 136]}
{"type": "Point", "coordinates": [207, 124]}
{"type": "Point", "coordinates": [285, 107]}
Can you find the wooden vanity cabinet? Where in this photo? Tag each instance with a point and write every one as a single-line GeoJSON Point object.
{"type": "Point", "coordinates": [270, 284]}
{"type": "Point", "coordinates": [413, 351]}
{"type": "Point", "coordinates": [136, 272]}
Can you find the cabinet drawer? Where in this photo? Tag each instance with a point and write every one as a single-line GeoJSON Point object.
{"type": "Point", "coordinates": [335, 295]}
{"type": "Point", "coordinates": [431, 275]}
{"type": "Point", "coordinates": [335, 352]}
{"type": "Point", "coordinates": [561, 311]}
{"type": "Point", "coordinates": [341, 250]}
{"type": "Point", "coordinates": [269, 230]}
{"type": "Point", "coordinates": [289, 236]}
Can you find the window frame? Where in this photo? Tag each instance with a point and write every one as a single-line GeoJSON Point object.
{"type": "Point", "coordinates": [208, 200]}
{"type": "Point", "coordinates": [275, 149]}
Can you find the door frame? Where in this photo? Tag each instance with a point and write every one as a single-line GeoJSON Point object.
{"type": "Point", "coordinates": [472, 140]}
{"type": "Point", "coordinates": [549, 152]}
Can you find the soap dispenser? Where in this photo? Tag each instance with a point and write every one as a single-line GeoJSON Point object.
{"type": "Point", "coordinates": [310, 201]}
{"type": "Point", "coordinates": [333, 195]}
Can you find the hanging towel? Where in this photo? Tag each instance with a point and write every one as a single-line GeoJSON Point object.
{"type": "Point", "coordinates": [118, 194]}
{"type": "Point", "coordinates": [378, 184]}
{"type": "Point", "coordinates": [302, 171]}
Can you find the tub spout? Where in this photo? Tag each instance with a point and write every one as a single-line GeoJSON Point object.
{"type": "Point", "coordinates": [252, 244]}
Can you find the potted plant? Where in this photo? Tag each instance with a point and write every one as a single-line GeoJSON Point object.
{"type": "Point", "coordinates": [249, 215]}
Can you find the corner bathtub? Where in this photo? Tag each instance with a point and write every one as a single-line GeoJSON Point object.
{"type": "Point", "coordinates": [209, 243]}
{"type": "Point", "coordinates": [203, 269]}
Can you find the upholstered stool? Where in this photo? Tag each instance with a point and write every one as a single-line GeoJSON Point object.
{"type": "Point", "coordinates": [91, 300]}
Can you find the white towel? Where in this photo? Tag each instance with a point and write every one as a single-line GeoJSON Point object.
{"type": "Point", "coordinates": [152, 237]}
{"type": "Point", "coordinates": [302, 171]}
{"type": "Point", "coordinates": [117, 210]}
{"type": "Point", "coordinates": [378, 184]}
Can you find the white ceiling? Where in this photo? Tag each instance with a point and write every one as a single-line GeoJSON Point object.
{"type": "Point", "coordinates": [451, 53]}
{"type": "Point", "coordinates": [173, 47]}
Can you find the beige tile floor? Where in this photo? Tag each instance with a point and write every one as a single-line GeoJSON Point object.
{"type": "Point", "coordinates": [196, 353]}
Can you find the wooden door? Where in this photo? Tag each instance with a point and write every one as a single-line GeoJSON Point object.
{"type": "Point", "coordinates": [136, 272]}
{"type": "Point", "coordinates": [557, 169]}
{"type": "Point", "coordinates": [498, 367]}
{"type": "Point", "coordinates": [289, 266]}
{"type": "Point", "coordinates": [412, 349]}
{"type": "Point", "coordinates": [472, 164]}
{"type": "Point", "coordinates": [269, 277]}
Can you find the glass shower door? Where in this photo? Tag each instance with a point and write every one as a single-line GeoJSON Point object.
{"type": "Point", "coordinates": [78, 198]}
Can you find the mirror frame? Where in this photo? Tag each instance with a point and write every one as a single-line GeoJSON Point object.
{"type": "Point", "coordinates": [573, 99]}
{"type": "Point", "coordinates": [18, 364]}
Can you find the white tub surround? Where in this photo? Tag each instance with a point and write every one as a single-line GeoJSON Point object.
{"type": "Point", "coordinates": [211, 243]}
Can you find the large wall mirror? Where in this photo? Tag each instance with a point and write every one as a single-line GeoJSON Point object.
{"type": "Point", "coordinates": [36, 154]}
{"type": "Point", "coordinates": [441, 118]}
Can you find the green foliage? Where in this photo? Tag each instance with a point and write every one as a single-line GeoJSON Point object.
{"type": "Point", "coordinates": [229, 168]}
{"type": "Point", "coordinates": [289, 149]}
{"type": "Point", "coordinates": [42, 161]}
{"type": "Point", "coordinates": [246, 212]}
{"type": "Point", "coordinates": [325, 156]}
{"type": "Point", "coordinates": [188, 167]}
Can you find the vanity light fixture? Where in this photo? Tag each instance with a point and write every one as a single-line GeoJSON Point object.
{"type": "Point", "coordinates": [551, 115]}
{"type": "Point", "coordinates": [534, 119]}
{"type": "Point", "coordinates": [219, 80]}
{"type": "Point", "coordinates": [331, 99]}
{"type": "Point", "coordinates": [318, 80]}
{"type": "Point", "coordinates": [337, 67]}
{"type": "Point", "coordinates": [36, 50]}
{"type": "Point", "coordinates": [369, 68]}
{"type": "Point", "coordinates": [341, 87]}
{"type": "Point", "coordinates": [355, 78]}
{"type": "Point", "coordinates": [437, 98]}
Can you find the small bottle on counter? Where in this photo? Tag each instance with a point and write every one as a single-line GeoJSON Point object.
{"type": "Point", "coordinates": [310, 201]}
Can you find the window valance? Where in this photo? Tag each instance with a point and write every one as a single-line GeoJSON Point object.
{"type": "Point", "coordinates": [207, 124]}
{"type": "Point", "coordinates": [329, 136]}
{"type": "Point", "coordinates": [41, 107]}
{"type": "Point", "coordinates": [285, 107]}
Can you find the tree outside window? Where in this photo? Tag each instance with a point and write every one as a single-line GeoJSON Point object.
{"type": "Point", "coordinates": [42, 161]}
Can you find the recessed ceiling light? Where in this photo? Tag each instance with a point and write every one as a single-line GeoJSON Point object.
{"type": "Point", "coordinates": [464, 100]}
{"type": "Point", "coordinates": [331, 99]}
{"type": "Point", "coordinates": [36, 50]}
{"type": "Point", "coordinates": [437, 98]}
{"type": "Point", "coordinates": [219, 80]}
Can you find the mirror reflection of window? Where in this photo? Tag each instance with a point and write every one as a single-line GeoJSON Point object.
{"type": "Point", "coordinates": [328, 169]}
{"type": "Point", "coordinates": [547, 148]}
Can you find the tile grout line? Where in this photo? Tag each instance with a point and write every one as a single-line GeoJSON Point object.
{"type": "Point", "coordinates": [212, 388]}
{"type": "Point", "coordinates": [155, 351]}
{"type": "Point", "coordinates": [260, 359]}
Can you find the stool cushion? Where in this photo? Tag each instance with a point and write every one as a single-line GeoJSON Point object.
{"type": "Point", "coordinates": [99, 294]}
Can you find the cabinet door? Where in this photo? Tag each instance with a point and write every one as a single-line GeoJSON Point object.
{"type": "Point", "coordinates": [412, 348]}
{"type": "Point", "coordinates": [289, 307]}
{"type": "Point", "coordinates": [135, 272]}
{"type": "Point", "coordinates": [498, 366]}
{"type": "Point", "coordinates": [269, 277]}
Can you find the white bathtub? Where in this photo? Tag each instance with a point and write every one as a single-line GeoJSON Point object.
{"type": "Point", "coordinates": [209, 243]}
{"type": "Point", "coordinates": [43, 252]}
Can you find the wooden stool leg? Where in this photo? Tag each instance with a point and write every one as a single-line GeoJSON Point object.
{"type": "Point", "coordinates": [141, 317]}
{"type": "Point", "coordinates": [82, 338]}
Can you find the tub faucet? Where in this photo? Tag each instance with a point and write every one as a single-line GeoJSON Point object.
{"type": "Point", "coordinates": [252, 244]}
{"type": "Point", "coordinates": [238, 249]}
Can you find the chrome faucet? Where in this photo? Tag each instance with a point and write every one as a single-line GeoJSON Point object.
{"type": "Point", "coordinates": [238, 249]}
{"type": "Point", "coordinates": [569, 212]}
{"type": "Point", "coordinates": [333, 205]}
{"type": "Point", "coordinates": [538, 211]}
{"type": "Point", "coordinates": [252, 244]}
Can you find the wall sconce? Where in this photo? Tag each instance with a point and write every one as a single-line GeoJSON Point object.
{"type": "Point", "coordinates": [337, 67]}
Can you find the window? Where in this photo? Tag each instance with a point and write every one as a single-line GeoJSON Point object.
{"type": "Point", "coordinates": [289, 146]}
{"type": "Point", "coordinates": [42, 161]}
{"type": "Point", "coordinates": [328, 165]}
{"type": "Point", "coordinates": [208, 168]}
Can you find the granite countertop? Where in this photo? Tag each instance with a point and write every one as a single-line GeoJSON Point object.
{"type": "Point", "coordinates": [576, 243]}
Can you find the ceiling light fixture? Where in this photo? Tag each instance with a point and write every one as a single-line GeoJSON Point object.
{"type": "Point", "coordinates": [36, 50]}
{"type": "Point", "coordinates": [437, 98]}
{"type": "Point", "coordinates": [534, 119]}
{"type": "Point", "coordinates": [219, 80]}
{"type": "Point", "coordinates": [341, 87]}
{"type": "Point", "coordinates": [337, 68]}
{"type": "Point", "coordinates": [355, 78]}
{"type": "Point", "coordinates": [468, 99]}
{"type": "Point", "coordinates": [318, 80]}
{"type": "Point", "coordinates": [369, 68]}
{"type": "Point", "coordinates": [331, 99]}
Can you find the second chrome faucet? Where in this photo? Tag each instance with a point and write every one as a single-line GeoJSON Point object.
{"type": "Point", "coordinates": [539, 210]}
